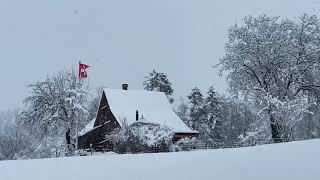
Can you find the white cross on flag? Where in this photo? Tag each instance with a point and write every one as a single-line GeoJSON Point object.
{"type": "Point", "coordinates": [82, 70]}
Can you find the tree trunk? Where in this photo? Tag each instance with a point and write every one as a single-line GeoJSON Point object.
{"type": "Point", "coordinates": [275, 130]}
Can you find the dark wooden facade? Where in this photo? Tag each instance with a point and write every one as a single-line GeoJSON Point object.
{"type": "Point", "coordinates": [178, 136]}
{"type": "Point", "coordinates": [105, 124]}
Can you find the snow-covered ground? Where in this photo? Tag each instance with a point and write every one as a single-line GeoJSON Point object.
{"type": "Point", "coordinates": [292, 161]}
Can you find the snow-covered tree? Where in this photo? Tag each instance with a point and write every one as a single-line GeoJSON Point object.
{"type": "Point", "coordinates": [197, 109]}
{"type": "Point", "coordinates": [53, 106]}
{"type": "Point", "coordinates": [157, 81]}
{"type": "Point", "coordinates": [309, 128]}
{"type": "Point", "coordinates": [183, 110]}
{"type": "Point", "coordinates": [276, 63]}
{"type": "Point", "coordinates": [213, 122]}
{"type": "Point", "coordinates": [14, 141]}
{"type": "Point", "coordinates": [2, 157]}
{"type": "Point", "coordinates": [241, 124]}
{"type": "Point", "coordinates": [7, 118]}
{"type": "Point", "coordinates": [205, 116]}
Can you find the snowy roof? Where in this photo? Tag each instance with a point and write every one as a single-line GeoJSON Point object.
{"type": "Point", "coordinates": [87, 128]}
{"type": "Point", "coordinates": [153, 107]}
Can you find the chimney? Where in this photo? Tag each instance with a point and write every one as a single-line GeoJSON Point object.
{"type": "Point", "coordinates": [137, 115]}
{"type": "Point", "coordinates": [125, 86]}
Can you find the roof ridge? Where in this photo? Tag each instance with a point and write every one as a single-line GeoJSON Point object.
{"type": "Point", "coordinates": [132, 90]}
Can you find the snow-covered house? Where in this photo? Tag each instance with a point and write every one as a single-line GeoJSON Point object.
{"type": "Point", "coordinates": [117, 105]}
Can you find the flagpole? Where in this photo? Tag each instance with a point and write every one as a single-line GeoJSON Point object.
{"type": "Point", "coordinates": [82, 74]}
{"type": "Point", "coordinates": [79, 79]}
{"type": "Point", "coordinates": [79, 70]}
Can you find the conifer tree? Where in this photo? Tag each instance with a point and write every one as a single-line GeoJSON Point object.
{"type": "Point", "coordinates": [157, 81]}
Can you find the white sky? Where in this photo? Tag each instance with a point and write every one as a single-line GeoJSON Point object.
{"type": "Point", "coordinates": [123, 40]}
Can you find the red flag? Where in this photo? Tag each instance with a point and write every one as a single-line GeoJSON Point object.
{"type": "Point", "coordinates": [82, 70]}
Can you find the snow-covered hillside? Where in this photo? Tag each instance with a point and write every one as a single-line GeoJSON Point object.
{"type": "Point", "coordinates": [292, 161]}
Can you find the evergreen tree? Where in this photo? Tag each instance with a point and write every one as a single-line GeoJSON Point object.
{"type": "Point", "coordinates": [197, 110]}
{"type": "Point", "coordinates": [156, 81]}
{"type": "Point", "coordinates": [213, 121]}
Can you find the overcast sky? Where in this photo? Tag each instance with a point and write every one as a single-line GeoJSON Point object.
{"type": "Point", "coordinates": [123, 40]}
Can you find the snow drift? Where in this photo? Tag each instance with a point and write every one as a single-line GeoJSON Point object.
{"type": "Point", "coordinates": [294, 161]}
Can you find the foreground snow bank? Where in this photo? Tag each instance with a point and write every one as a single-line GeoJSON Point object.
{"type": "Point", "coordinates": [294, 161]}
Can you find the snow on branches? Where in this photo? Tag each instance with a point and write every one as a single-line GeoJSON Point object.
{"type": "Point", "coordinates": [55, 104]}
{"type": "Point", "coordinates": [156, 81]}
{"type": "Point", "coordinates": [141, 137]}
{"type": "Point", "coordinates": [275, 62]}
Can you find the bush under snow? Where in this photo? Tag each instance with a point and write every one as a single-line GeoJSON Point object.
{"type": "Point", "coordinates": [141, 137]}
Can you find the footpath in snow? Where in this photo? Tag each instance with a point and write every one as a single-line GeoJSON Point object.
{"type": "Point", "coordinates": [292, 161]}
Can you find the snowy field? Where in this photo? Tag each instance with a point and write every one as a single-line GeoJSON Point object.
{"type": "Point", "coordinates": [292, 161]}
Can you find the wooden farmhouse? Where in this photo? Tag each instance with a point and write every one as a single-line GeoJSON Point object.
{"type": "Point", "coordinates": [131, 105]}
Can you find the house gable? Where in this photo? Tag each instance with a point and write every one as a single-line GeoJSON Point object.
{"type": "Point", "coordinates": [104, 113]}
{"type": "Point", "coordinates": [104, 124]}
{"type": "Point", "coordinates": [105, 117]}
